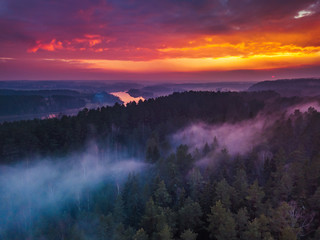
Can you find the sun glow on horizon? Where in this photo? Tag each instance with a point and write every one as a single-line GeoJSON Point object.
{"type": "Point", "coordinates": [109, 40]}
{"type": "Point", "coordinates": [204, 54]}
{"type": "Point", "coordinates": [255, 62]}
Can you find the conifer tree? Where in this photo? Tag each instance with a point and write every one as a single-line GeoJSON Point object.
{"type": "Point", "coordinates": [222, 225]}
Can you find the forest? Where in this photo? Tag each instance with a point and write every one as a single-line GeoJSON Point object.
{"type": "Point", "coordinates": [29, 104]}
{"type": "Point", "coordinates": [191, 165]}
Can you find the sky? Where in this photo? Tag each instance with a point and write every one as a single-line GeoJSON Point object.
{"type": "Point", "coordinates": [178, 40]}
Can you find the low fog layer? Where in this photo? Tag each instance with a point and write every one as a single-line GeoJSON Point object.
{"type": "Point", "coordinates": [28, 190]}
{"type": "Point", "coordinates": [45, 186]}
{"type": "Point", "coordinates": [236, 138]}
{"type": "Point", "coordinates": [304, 107]}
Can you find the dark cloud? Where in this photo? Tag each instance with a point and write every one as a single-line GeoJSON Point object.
{"type": "Point", "coordinates": [136, 29]}
{"type": "Point", "coordinates": [124, 18]}
{"type": "Point", "coordinates": [16, 31]}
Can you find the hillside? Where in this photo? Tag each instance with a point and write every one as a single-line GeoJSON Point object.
{"type": "Point", "coordinates": [191, 165]}
{"type": "Point", "coordinates": [30, 104]}
{"type": "Point", "coordinates": [290, 87]}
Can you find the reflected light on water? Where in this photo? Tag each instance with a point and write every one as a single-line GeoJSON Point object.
{"type": "Point", "coordinates": [126, 98]}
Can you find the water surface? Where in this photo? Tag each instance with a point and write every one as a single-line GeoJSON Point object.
{"type": "Point", "coordinates": [126, 98]}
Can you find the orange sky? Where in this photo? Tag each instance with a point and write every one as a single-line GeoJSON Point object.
{"type": "Point", "coordinates": [146, 39]}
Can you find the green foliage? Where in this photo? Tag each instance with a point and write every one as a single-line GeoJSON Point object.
{"type": "Point", "coordinates": [275, 197]}
{"type": "Point", "coordinates": [151, 217]}
{"type": "Point", "coordinates": [153, 152]}
{"type": "Point", "coordinates": [184, 158]}
{"type": "Point", "coordinates": [161, 195]}
{"type": "Point", "coordinates": [140, 235]}
{"type": "Point", "coordinates": [188, 235]}
{"type": "Point", "coordinates": [253, 231]}
{"type": "Point", "coordinates": [118, 210]}
{"type": "Point", "coordinates": [222, 225]}
{"type": "Point", "coordinates": [106, 227]}
{"type": "Point", "coordinates": [240, 186]}
{"type": "Point", "coordinates": [165, 233]}
{"type": "Point", "coordinates": [129, 127]}
{"type": "Point", "coordinates": [132, 199]}
{"type": "Point", "coordinates": [190, 215]}
{"type": "Point", "coordinates": [254, 198]}
{"type": "Point", "coordinates": [242, 220]}
{"type": "Point", "coordinates": [288, 234]}
{"type": "Point", "coordinates": [121, 233]}
{"type": "Point", "coordinates": [195, 182]}
{"type": "Point", "coordinates": [224, 193]}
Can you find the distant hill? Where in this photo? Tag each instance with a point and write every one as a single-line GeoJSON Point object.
{"type": "Point", "coordinates": [105, 98]}
{"type": "Point", "coordinates": [89, 86]}
{"type": "Point", "coordinates": [290, 87]}
{"type": "Point", "coordinates": [35, 104]}
{"type": "Point", "coordinates": [29, 104]}
{"type": "Point", "coordinates": [163, 89]}
{"type": "Point", "coordinates": [43, 93]}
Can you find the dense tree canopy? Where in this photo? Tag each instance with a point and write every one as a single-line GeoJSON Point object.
{"type": "Point", "coordinates": [271, 192]}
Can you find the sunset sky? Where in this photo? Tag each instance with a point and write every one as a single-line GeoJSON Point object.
{"type": "Point", "coordinates": [178, 40]}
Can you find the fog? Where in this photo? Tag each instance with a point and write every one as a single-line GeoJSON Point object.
{"type": "Point", "coordinates": [44, 186]}
{"type": "Point", "coordinates": [28, 190]}
{"type": "Point", "coordinates": [237, 138]}
{"type": "Point", "coordinates": [303, 107]}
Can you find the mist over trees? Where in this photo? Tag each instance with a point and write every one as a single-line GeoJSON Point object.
{"type": "Point", "coordinates": [201, 189]}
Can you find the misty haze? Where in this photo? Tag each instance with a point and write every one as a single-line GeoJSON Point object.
{"type": "Point", "coordinates": [159, 120]}
{"type": "Point", "coordinates": [221, 164]}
